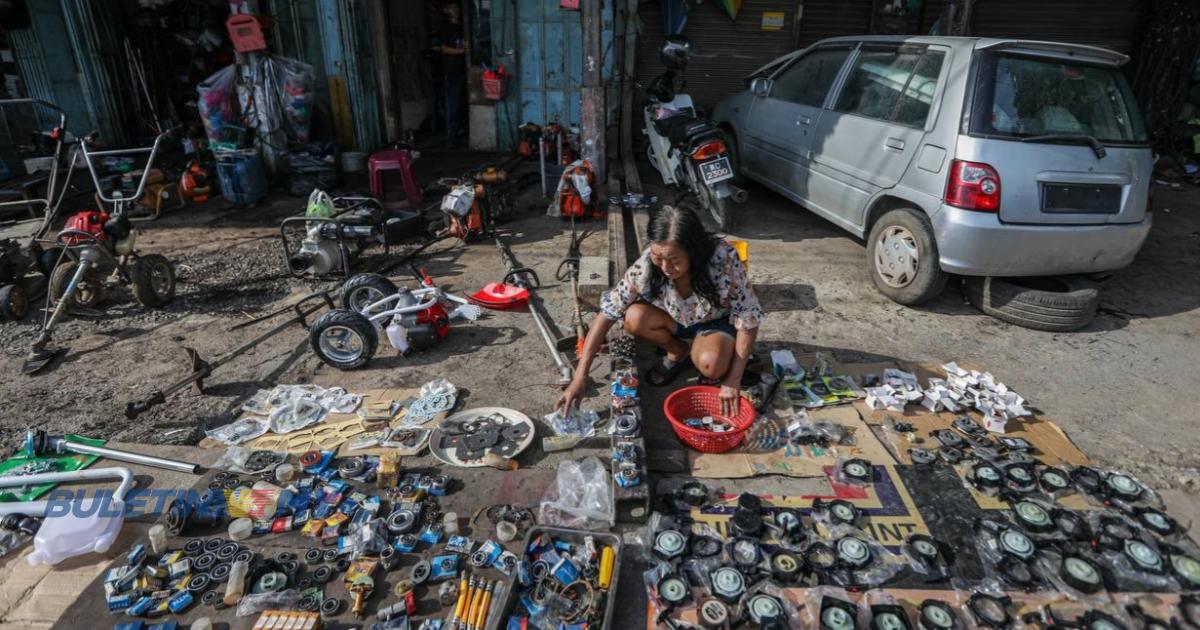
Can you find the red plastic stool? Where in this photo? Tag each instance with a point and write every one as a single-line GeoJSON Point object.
{"type": "Point", "coordinates": [394, 160]}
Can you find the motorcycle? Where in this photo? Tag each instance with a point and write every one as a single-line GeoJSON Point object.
{"type": "Point", "coordinates": [684, 147]}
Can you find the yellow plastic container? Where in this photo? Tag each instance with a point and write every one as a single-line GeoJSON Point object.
{"type": "Point", "coordinates": [743, 251]}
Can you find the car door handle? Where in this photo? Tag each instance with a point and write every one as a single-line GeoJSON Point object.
{"type": "Point", "coordinates": [895, 144]}
{"type": "Point", "coordinates": [804, 120]}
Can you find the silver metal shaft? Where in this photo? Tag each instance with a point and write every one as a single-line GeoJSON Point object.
{"type": "Point", "coordinates": [564, 370]}
{"type": "Point", "coordinates": [61, 445]}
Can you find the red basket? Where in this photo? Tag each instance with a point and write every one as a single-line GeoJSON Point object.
{"type": "Point", "coordinates": [493, 85]}
{"type": "Point", "coordinates": [699, 401]}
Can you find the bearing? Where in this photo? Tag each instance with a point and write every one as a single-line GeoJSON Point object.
{"type": "Point", "coordinates": [330, 607]}
{"type": "Point", "coordinates": [312, 556]}
{"type": "Point", "coordinates": [220, 573]}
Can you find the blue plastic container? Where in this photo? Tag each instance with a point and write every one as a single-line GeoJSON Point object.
{"type": "Point", "coordinates": [241, 176]}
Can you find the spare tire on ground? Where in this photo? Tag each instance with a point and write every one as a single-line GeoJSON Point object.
{"type": "Point", "coordinates": [1053, 303]}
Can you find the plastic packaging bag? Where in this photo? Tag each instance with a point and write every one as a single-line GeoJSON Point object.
{"type": "Point", "coordinates": [320, 204]}
{"type": "Point", "coordinates": [254, 603]}
{"type": "Point", "coordinates": [577, 422]}
{"type": "Point", "coordinates": [215, 101]}
{"type": "Point", "coordinates": [239, 432]}
{"type": "Point", "coordinates": [580, 496]}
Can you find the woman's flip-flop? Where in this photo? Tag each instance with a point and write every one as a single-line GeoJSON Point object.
{"type": "Point", "coordinates": [660, 374]}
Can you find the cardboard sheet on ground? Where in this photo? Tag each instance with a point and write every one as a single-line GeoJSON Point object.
{"type": "Point", "coordinates": [794, 461]}
{"type": "Point", "coordinates": [889, 512]}
{"type": "Point", "coordinates": [1160, 605]}
{"type": "Point", "coordinates": [334, 432]}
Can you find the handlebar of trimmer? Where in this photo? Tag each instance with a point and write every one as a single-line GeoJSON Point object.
{"type": "Point", "coordinates": [153, 151]}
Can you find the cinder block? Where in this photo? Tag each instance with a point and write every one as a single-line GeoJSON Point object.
{"type": "Point", "coordinates": [593, 280]}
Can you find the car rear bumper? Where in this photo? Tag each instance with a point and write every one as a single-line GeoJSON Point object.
{"type": "Point", "coordinates": [978, 244]}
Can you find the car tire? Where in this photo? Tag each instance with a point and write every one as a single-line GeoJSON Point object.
{"type": "Point", "coordinates": [13, 303]}
{"type": "Point", "coordinates": [731, 145]}
{"type": "Point", "coordinates": [153, 279]}
{"type": "Point", "coordinates": [906, 231]}
{"type": "Point", "coordinates": [1052, 303]}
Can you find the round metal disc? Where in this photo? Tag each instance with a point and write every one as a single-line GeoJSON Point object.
{"type": "Point", "coordinates": [853, 551]}
{"type": "Point", "coordinates": [764, 608]}
{"type": "Point", "coordinates": [987, 473]}
{"type": "Point", "coordinates": [1033, 514]}
{"type": "Point", "coordinates": [1081, 570]}
{"type": "Point", "coordinates": [989, 609]}
{"type": "Point", "coordinates": [938, 615]}
{"type": "Point", "coordinates": [670, 542]}
{"type": "Point", "coordinates": [728, 582]}
{"type": "Point", "coordinates": [1187, 568]}
{"type": "Point", "coordinates": [889, 621]}
{"type": "Point", "coordinates": [843, 512]}
{"type": "Point", "coordinates": [855, 469]}
{"type": "Point", "coordinates": [837, 618]}
{"type": "Point", "coordinates": [1053, 479]}
{"type": "Point", "coordinates": [1016, 543]}
{"type": "Point", "coordinates": [1143, 555]}
{"type": "Point", "coordinates": [1124, 485]}
{"type": "Point", "coordinates": [714, 613]}
{"type": "Point", "coordinates": [925, 548]}
{"type": "Point", "coordinates": [673, 590]}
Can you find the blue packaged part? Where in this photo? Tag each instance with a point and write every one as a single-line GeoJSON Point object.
{"type": "Point", "coordinates": [130, 625]}
{"type": "Point", "coordinates": [370, 505]}
{"type": "Point", "coordinates": [320, 466]}
{"type": "Point", "coordinates": [348, 506]}
{"type": "Point", "coordinates": [550, 557]}
{"type": "Point", "coordinates": [180, 602]}
{"type": "Point", "coordinates": [459, 544]}
{"type": "Point", "coordinates": [304, 483]}
{"type": "Point", "coordinates": [299, 501]}
{"type": "Point", "coordinates": [262, 527]}
{"type": "Point", "coordinates": [517, 622]}
{"type": "Point", "coordinates": [523, 573]}
{"type": "Point", "coordinates": [623, 392]}
{"type": "Point", "coordinates": [432, 534]}
{"type": "Point", "coordinates": [301, 518]}
{"type": "Point", "coordinates": [406, 543]}
{"type": "Point", "coordinates": [492, 549]}
{"type": "Point", "coordinates": [443, 567]}
{"type": "Point", "coordinates": [120, 603]}
{"type": "Point", "coordinates": [361, 516]}
{"type": "Point", "coordinates": [533, 608]}
{"type": "Point", "coordinates": [166, 625]}
{"type": "Point", "coordinates": [323, 511]}
{"type": "Point", "coordinates": [347, 544]}
{"type": "Point", "coordinates": [140, 607]}
{"type": "Point", "coordinates": [137, 554]}
{"type": "Point", "coordinates": [506, 563]}
{"type": "Point", "coordinates": [565, 571]}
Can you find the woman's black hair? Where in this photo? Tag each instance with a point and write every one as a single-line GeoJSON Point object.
{"type": "Point", "coordinates": [680, 226]}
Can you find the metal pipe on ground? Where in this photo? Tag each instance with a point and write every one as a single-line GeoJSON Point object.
{"type": "Point", "coordinates": [38, 508]}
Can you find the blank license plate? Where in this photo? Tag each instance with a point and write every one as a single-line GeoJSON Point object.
{"type": "Point", "coordinates": [717, 170]}
{"type": "Point", "coordinates": [1081, 199]}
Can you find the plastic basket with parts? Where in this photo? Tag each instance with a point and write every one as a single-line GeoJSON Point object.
{"type": "Point", "coordinates": [700, 401]}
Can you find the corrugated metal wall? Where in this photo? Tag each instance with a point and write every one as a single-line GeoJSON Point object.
{"type": "Point", "coordinates": [826, 18]}
{"type": "Point", "coordinates": [724, 50]}
{"type": "Point", "coordinates": [346, 43]}
{"type": "Point", "coordinates": [96, 40]}
{"type": "Point", "coordinates": [1112, 24]}
{"type": "Point", "coordinates": [47, 67]}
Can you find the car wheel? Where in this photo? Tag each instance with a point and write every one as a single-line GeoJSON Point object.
{"type": "Point", "coordinates": [153, 281]}
{"type": "Point", "coordinates": [13, 303]}
{"type": "Point", "coordinates": [343, 339]}
{"type": "Point", "coordinates": [903, 256]}
{"type": "Point", "coordinates": [731, 145]}
{"type": "Point", "coordinates": [1056, 304]}
{"type": "Point", "coordinates": [365, 289]}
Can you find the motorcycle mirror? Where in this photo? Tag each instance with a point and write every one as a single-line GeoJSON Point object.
{"type": "Point", "coordinates": [759, 86]}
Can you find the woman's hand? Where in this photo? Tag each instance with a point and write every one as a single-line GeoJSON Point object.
{"type": "Point", "coordinates": [571, 396]}
{"type": "Point", "coordinates": [730, 395]}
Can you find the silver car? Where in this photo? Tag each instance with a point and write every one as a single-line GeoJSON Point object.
{"type": "Point", "coordinates": [953, 155]}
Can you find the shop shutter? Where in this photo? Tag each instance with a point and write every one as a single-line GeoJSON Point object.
{"type": "Point", "coordinates": [1112, 24]}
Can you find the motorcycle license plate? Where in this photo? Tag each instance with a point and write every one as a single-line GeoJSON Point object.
{"type": "Point", "coordinates": [717, 170]}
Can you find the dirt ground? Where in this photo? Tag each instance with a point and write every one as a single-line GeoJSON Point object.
{"type": "Point", "coordinates": [1122, 388]}
{"type": "Point", "coordinates": [230, 269]}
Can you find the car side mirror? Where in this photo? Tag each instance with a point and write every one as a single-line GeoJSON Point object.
{"type": "Point", "coordinates": [759, 86]}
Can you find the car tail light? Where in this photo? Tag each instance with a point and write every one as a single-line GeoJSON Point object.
{"type": "Point", "coordinates": [973, 186]}
{"type": "Point", "coordinates": [708, 150]}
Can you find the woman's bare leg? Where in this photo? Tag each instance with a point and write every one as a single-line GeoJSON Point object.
{"type": "Point", "coordinates": [655, 326]}
{"type": "Point", "coordinates": [712, 354]}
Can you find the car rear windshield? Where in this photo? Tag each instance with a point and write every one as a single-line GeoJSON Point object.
{"type": "Point", "coordinates": [1019, 97]}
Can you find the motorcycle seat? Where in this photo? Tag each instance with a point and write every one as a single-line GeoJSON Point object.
{"type": "Point", "coordinates": [682, 129]}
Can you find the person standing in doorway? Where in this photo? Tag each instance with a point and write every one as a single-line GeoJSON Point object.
{"type": "Point", "coordinates": [454, 69]}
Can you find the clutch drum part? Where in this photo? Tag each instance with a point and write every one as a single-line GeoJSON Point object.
{"type": "Point", "coordinates": [705, 546]}
{"type": "Point", "coordinates": [1143, 556]}
{"type": "Point", "coordinates": [1124, 486]}
{"type": "Point", "coordinates": [1080, 574]}
{"type": "Point", "coordinates": [694, 493]}
{"type": "Point", "coordinates": [1015, 572]}
{"type": "Point", "coordinates": [989, 611]}
{"type": "Point", "coordinates": [1157, 522]}
{"type": "Point", "coordinates": [843, 512]}
{"type": "Point", "coordinates": [765, 609]}
{"type": "Point", "coordinates": [1053, 480]}
{"type": "Point", "coordinates": [985, 475]}
{"type": "Point", "coordinates": [952, 454]}
{"type": "Point", "coordinates": [853, 551]}
{"type": "Point", "coordinates": [858, 470]}
{"type": "Point", "coordinates": [420, 572]}
{"type": "Point", "coordinates": [401, 521]}
{"type": "Point", "coordinates": [745, 552]}
{"type": "Point", "coordinates": [922, 456]}
{"type": "Point", "coordinates": [784, 567]}
{"type": "Point", "coordinates": [948, 438]}
{"type": "Point", "coordinates": [1020, 477]}
{"type": "Point", "coordinates": [935, 614]}
{"type": "Point", "coordinates": [728, 584]}
{"type": "Point", "coordinates": [1096, 620]}
{"type": "Point", "coordinates": [1016, 544]}
{"type": "Point", "coordinates": [669, 544]}
{"type": "Point", "coordinates": [746, 522]}
{"type": "Point", "coordinates": [351, 467]}
{"type": "Point", "coordinates": [924, 549]}
{"type": "Point", "coordinates": [1086, 478]}
{"type": "Point", "coordinates": [713, 614]}
{"type": "Point", "coordinates": [837, 614]}
{"type": "Point", "coordinates": [1186, 569]}
{"type": "Point", "coordinates": [969, 427]}
{"type": "Point", "coordinates": [820, 556]}
{"type": "Point", "coordinates": [1033, 517]}
{"type": "Point", "coordinates": [889, 617]}
{"type": "Point", "coordinates": [790, 522]}
{"type": "Point", "coordinates": [673, 590]}
{"type": "Point", "coordinates": [1071, 524]}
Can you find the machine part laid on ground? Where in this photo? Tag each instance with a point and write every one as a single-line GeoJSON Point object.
{"type": "Point", "coordinates": [1056, 304]}
{"type": "Point", "coordinates": [38, 442]}
{"type": "Point", "coordinates": [526, 278]}
{"type": "Point", "coordinates": [202, 369]}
